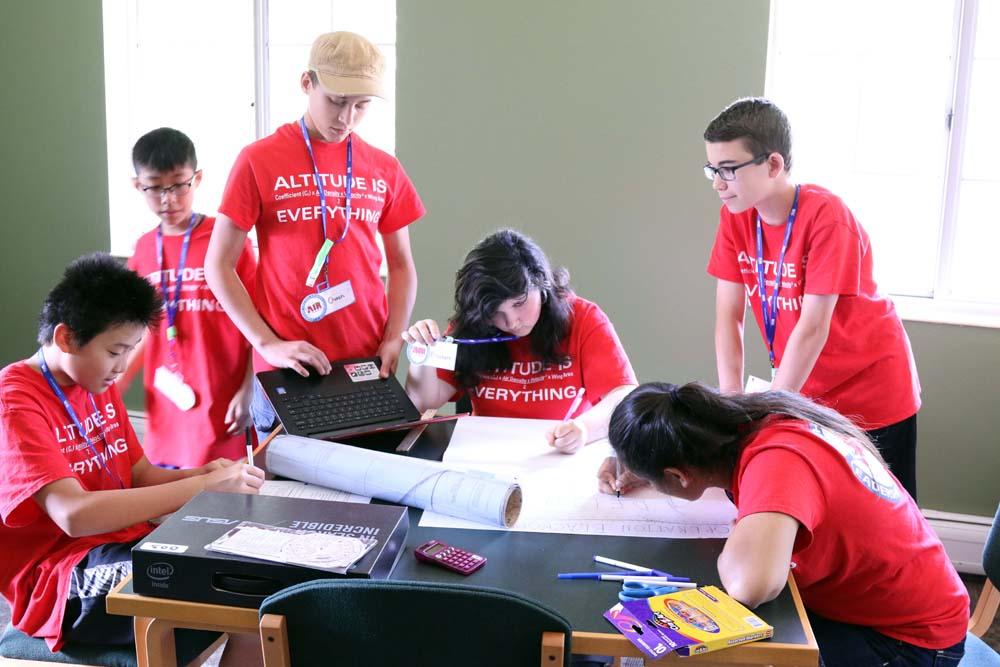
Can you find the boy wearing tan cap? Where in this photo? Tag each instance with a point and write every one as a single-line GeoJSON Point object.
{"type": "Point", "coordinates": [318, 194]}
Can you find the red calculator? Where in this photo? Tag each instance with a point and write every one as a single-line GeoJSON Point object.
{"type": "Point", "coordinates": [449, 557]}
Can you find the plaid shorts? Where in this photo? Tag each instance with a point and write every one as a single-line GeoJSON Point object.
{"type": "Point", "coordinates": [86, 619]}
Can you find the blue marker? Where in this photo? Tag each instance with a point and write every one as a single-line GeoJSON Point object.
{"type": "Point", "coordinates": [637, 568]}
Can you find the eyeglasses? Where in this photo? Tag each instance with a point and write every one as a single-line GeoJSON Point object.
{"type": "Point", "coordinates": [729, 173]}
{"type": "Point", "coordinates": [177, 189]}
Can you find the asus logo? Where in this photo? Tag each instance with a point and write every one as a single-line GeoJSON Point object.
{"type": "Point", "coordinates": [211, 519]}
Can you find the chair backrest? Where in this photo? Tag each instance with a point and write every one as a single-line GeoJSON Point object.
{"type": "Point", "coordinates": [355, 622]}
{"type": "Point", "coordinates": [991, 552]}
{"type": "Point", "coordinates": [989, 598]}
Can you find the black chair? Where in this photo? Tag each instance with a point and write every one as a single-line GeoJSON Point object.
{"type": "Point", "coordinates": [977, 653]}
{"type": "Point", "coordinates": [364, 622]}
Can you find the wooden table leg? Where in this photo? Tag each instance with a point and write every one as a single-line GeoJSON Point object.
{"type": "Point", "coordinates": [154, 643]}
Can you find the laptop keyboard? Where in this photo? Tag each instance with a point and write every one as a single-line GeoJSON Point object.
{"type": "Point", "coordinates": [374, 402]}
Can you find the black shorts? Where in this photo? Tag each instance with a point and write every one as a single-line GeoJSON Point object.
{"type": "Point", "coordinates": [86, 619]}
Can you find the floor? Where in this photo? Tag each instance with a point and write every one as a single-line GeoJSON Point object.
{"type": "Point", "coordinates": [972, 582]}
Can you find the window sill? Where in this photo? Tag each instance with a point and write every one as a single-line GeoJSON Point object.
{"type": "Point", "coordinates": [939, 311]}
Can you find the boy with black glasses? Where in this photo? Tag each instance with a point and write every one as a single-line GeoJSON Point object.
{"type": "Point", "coordinates": [803, 261]}
{"type": "Point", "coordinates": [197, 364]}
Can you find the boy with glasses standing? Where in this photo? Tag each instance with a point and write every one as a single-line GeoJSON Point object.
{"type": "Point", "coordinates": [319, 197]}
{"type": "Point", "coordinates": [804, 263]}
{"type": "Point", "coordinates": [197, 364]}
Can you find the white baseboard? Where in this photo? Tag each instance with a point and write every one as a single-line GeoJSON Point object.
{"type": "Point", "coordinates": [963, 536]}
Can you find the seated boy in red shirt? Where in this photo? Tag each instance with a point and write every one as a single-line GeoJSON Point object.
{"type": "Point", "coordinates": [78, 490]}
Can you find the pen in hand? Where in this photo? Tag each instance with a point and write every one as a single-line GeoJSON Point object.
{"type": "Point", "coordinates": [249, 446]}
{"type": "Point", "coordinates": [618, 474]}
{"type": "Point", "coordinates": [554, 434]}
{"type": "Point", "coordinates": [575, 404]}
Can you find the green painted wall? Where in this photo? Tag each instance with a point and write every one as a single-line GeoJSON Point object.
{"type": "Point", "coordinates": [577, 121]}
{"type": "Point", "coordinates": [580, 123]}
{"type": "Point", "coordinates": [54, 184]}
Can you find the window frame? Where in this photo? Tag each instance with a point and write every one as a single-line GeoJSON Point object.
{"type": "Point", "coordinates": [941, 306]}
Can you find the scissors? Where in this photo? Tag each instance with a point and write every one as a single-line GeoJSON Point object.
{"type": "Point", "coordinates": [637, 590]}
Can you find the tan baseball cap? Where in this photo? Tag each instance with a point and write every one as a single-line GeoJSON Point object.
{"type": "Point", "coordinates": [347, 64]}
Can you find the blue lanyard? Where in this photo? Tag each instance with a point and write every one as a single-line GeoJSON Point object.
{"type": "Point", "coordinates": [770, 311]}
{"type": "Point", "coordinates": [172, 304]}
{"type": "Point", "coordinates": [57, 390]}
{"type": "Point", "coordinates": [322, 199]}
{"type": "Point", "coordinates": [480, 341]}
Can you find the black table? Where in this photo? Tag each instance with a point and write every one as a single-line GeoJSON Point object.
{"type": "Point", "coordinates": [523, 562]}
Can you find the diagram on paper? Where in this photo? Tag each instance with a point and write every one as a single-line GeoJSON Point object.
{"type": "Point", "coordinates": [560, 491]}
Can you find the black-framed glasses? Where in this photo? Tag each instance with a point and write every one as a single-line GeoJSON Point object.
{"type": "Point", "coordinates": [728, 173]}
{"type": "Point", "coordinates": [177, 189]}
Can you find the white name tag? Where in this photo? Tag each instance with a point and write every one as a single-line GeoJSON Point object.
{"type": "Point", "coordinates": [318, 305]}
{"type": "Point", "coordinates": [756, 384]}
{"type": "Point", "coordinates": [440, 354]}
{"type": "Point", "coordinates": [173, 387]}
{"type": "Point", "coordinates": [363, 372]}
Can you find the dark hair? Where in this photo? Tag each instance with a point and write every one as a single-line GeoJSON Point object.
{"type": "Point", "coordinates": [98, 292]}
{"type": "Point", "coordinates": [164, 149]}
{"type": "Point", "coordinates": [505, 265]}
{"type": "Point", "coordinates": [759, 123]}
{"type": "Point", "coordinates": [313, 77]}
{"type": "Point", "coordinates": [661, 425]}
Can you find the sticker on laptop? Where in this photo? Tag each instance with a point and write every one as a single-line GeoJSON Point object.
{"type": "Point", "coordinates": [366, 371]}
{"type": "Point", "coordinates": [163, 548]}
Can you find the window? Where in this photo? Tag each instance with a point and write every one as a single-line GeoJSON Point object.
{"type": "Point", "coordinates": [224, 78]}
{"type": "Point", "coordinates": [890, 106]}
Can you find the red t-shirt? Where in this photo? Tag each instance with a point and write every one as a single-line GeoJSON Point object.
{"type": "Point", "coordinates": [39, 445]}
{"type": "Point", "coordinates": [271, 188]}
{"type": "Point", "coordinates": [864, 553]}
{"type": "Point", "coordinates": [530, 390]}
{"type": "Point", "coordinates": [866, 370]}
{"type": "Point", "coordinates": [211, 354]}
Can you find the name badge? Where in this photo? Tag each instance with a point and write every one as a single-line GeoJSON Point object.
{"type": "Point", "coordinates": [172, 386]}
{"type": "Point", "coordinates": [318, 305]}
{"type": "Point", "coordinates": [440, 354]}
{"type": "Point", "coordinates": [756, 384]}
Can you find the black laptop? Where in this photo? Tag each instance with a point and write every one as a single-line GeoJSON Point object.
{"type": "Point", "coordinates": [351, 400]}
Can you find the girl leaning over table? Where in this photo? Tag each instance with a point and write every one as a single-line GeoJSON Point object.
{"type": "Point", "coordinates": [812, 494]}
{"type": "Point", "coordinates": [526, 345]}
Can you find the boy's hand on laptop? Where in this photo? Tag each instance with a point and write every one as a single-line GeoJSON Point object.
{"type": "Point", "coordinates": [235, 478]}
{"type": "Point", "coordinates": [388, 352]}
{"type": "Point", "coordinates": [296, 355]}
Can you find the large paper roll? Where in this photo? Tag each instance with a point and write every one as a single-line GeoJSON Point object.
{"type": "Point", "coordinates": [399, 479]}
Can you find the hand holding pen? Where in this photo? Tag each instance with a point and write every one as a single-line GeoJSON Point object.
{"type": "Point", "coordinates": [249, 441]}
{"type": "Point", "coordinates": [614, 478]}
{"type": "Point", "coordinates": [571, 434]}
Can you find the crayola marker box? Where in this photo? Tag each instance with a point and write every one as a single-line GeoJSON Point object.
{"type": "Point", "coordinates": [688, 622]}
